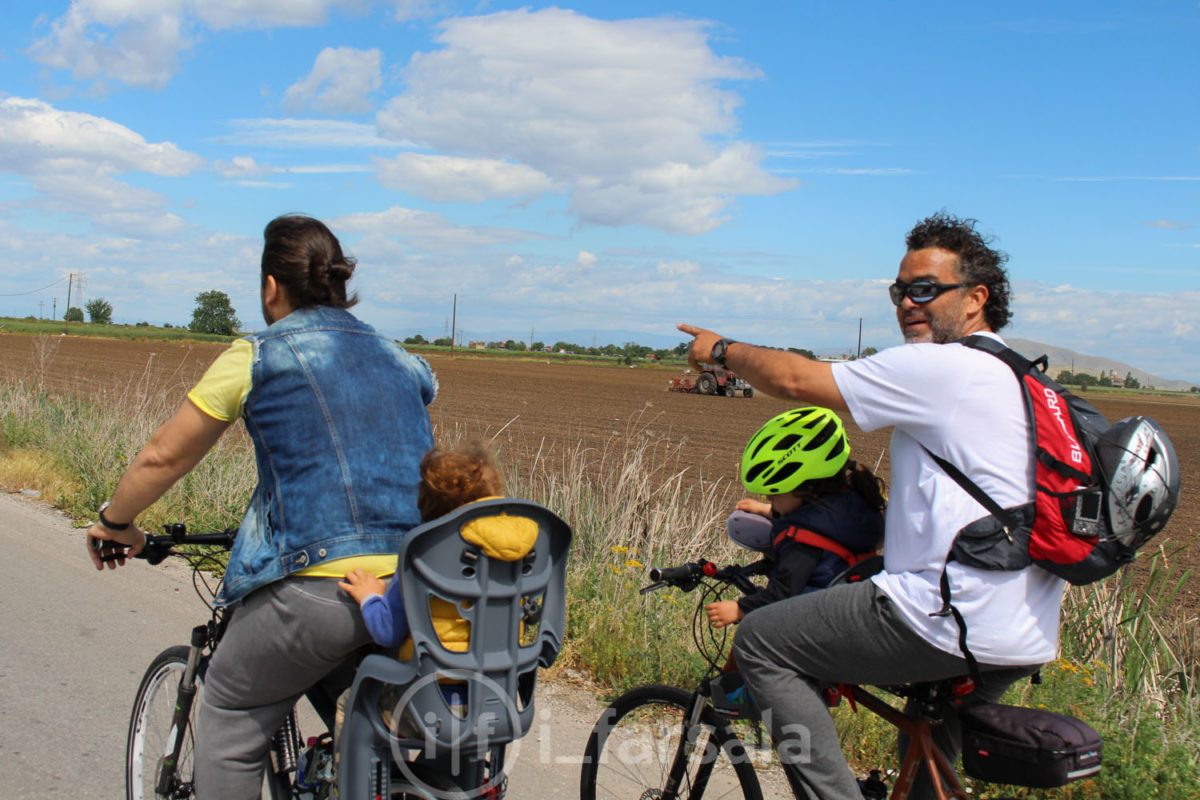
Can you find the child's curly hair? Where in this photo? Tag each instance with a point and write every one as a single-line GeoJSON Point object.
{"type": "Point", "coordinates": [453, 478]}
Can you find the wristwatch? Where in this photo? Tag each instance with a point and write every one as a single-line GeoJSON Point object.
{"type": "Point", "coordinates": [718, 351]}
{"type": "Point", "coordinates": [112, 526]}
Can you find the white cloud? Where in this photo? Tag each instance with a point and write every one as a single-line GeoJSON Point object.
{"type": "Point", "coordinates": [585, 259]}
{"type": "Point", "coordinates": [138, 42]}
{"type": "Point", "coordinates": [70, 160]}
{"type": "Point", "coordinates": [34, 134]}
{"type": "Point", "coordinates": [242, 167]}
{"type": "Point", "coordinates": [310, 133]}
{"type": "Point", "coordinates": [676, 269]}
{"type": "Point", "coordinates": [451, 179]}
{"type": "Point", "coordinates": [418, 9]}
{"type": "Point", "coordinates": [339, 83]}
{"type": "Point", "coordinates": [630, 115]}
{"type": "Point", "coordinates": [425, 229]}
{"type": "Point", "coordinates": [135, 43]}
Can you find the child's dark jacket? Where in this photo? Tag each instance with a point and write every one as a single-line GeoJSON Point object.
{"type": "Point", "coordinates": [845, 518]}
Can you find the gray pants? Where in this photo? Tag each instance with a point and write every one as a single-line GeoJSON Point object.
{"type": "Point", "coordinates": [281, 640]}
{"type": "Point", "coordinates": [847, 634]}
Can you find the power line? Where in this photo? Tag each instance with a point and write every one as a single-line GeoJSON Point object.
{"type": "Point", "coordinates": [35, 291]}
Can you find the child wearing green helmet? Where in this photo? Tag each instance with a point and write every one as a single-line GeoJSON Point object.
{"type": "Point", "coordinates": [825, 511]}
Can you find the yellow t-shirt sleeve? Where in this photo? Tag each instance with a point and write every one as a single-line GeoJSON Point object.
{"type": "Point", "coordinates": [223, 389]}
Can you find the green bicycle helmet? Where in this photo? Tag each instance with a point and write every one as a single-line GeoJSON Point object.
{"type": "Point", "coordinates": [800, 445]}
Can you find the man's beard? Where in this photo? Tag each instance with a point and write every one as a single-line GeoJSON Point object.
{"type": "Point", "coordinates": [945, 330]}
{"type": "Point", "coordinates": [942, 328]}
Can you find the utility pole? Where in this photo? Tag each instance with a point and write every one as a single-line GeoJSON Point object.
{"type": "Point", "coordinates": [531, 338]}
{"type": "Point", "coordinates": [54, 310]}
{"type": "Point", "coordinates": [41, 309]}
{"type": "Point", "coordinates": [859, 355]}
{"type": "Point", "coordinates": [67, 318]}
{"type": "Point", "coordinates": [453, 323]}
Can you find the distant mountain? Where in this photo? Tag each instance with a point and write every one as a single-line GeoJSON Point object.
{"type": "Point", "coordinates": [1061, 358]}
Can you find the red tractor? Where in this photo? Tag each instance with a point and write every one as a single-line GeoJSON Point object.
{"type": "Point", "coordinates": [712, 380]}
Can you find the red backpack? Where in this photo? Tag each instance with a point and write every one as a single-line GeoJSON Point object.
{"type": "Point", "coordinates": [1102, 490]}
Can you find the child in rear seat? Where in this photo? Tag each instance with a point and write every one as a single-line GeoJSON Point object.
{"type": "Point", "coordinates": [824, 511]}
{"type": "Point", "coordinates": [449, 479]}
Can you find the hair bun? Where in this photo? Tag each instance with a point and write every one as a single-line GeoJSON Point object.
{"type": "Point", "coordinates": [340, 271]}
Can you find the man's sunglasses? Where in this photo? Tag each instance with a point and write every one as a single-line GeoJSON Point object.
{"type": "Point", "coordinates": [919, 292]}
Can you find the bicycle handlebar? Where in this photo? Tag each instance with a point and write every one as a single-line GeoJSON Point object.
{"type": "Point", "coordinates": [159, 546]}
{"type": "Point", "coordinates": [688, 576]}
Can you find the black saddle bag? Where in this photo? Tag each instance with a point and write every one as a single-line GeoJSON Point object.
{"type": "Point", "coordinates": [1027, 746]}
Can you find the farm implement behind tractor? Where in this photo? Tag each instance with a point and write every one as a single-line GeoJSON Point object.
{"type": "Point", "coordinates": [712, 380]}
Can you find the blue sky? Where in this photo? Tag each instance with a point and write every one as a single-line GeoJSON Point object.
{"type": "Point", "coordinates": [611, 168]}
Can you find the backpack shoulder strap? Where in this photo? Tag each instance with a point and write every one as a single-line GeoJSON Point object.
{"type": "Point", "coordinates": [804, 536]}
{"type": "Point", "coordinates": [1016, 362]}
{"type": "Point", "coordinates": [1010, 522]}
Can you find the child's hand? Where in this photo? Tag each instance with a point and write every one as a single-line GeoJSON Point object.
{"type": "Point", "coordinates": [723, 612]}
{"type": "Point", "coordinates": [360, 585]}
{"type": "Point", "coordinates": [753, 506]}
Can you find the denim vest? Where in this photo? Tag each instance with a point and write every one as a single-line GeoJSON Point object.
{"type": "Point", "coordinates": [338, 420]}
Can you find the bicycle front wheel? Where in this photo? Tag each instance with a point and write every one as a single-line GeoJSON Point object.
{"type": "Point", "coordinates": [638, 738]}
{"type": "Point", "coordinates": [150, 731]}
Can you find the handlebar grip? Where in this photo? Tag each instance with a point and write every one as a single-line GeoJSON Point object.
{"type": "Point", "coordinates": [670, 574]}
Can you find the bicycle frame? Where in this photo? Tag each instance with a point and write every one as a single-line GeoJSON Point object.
{"type": "Point", "coordinates": [922, 751]}
{"type": "Point", "coordinates": [285, 744]}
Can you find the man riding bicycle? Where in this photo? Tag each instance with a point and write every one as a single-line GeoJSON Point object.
{"type": "Point", "coordinates": [337, 414]}
{"type": "Point", "coordinates": [940, 398]}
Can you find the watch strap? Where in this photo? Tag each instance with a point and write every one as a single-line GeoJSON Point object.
{"type": "Point", "coordinates": [112, 526]}
{"type": "Point", "coordinates": [719, 349]}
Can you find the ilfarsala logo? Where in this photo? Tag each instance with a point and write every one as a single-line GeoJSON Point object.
{"type": "Point", "coordinates": [440, 745]}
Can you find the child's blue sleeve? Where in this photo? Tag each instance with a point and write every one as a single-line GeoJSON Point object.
{"type": "Point", "coordinates": [385, 618]}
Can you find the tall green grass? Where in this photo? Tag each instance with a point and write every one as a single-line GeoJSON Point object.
{"type": "Point", "coordinates": [48, 327]}
{"type": "Point", "coordinates": [1129, 647]}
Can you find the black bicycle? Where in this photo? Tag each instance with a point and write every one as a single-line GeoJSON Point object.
{"type": "Point", "coordinates": [444, 737]}
{"type": "Point", "coordinates": [161, 741]}
{"type": "Point", "coordinates": [160, 745]}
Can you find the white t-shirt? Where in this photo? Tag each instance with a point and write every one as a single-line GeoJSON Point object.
{"type": "Point", "coordinates": [966, 406]}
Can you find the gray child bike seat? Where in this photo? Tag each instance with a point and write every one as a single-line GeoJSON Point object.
{"type": "Point", "coordinates": [512, 598]}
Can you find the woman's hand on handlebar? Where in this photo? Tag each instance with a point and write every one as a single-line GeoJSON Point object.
{"type": "Point", "coordinates": [113, 547]}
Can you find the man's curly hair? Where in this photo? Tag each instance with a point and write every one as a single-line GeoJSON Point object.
{"type": "Point", "coordinates": [978, 263]}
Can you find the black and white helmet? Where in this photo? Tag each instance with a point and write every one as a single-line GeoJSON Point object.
{"type": "Point", "coordinates": [1139, 463]}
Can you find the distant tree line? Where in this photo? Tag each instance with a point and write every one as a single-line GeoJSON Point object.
{"type": "Point", "coordinates": [1083, 379]}
{"type": "Point", "coordinates": [629, 352]}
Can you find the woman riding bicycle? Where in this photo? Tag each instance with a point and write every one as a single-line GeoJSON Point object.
{"type": "Point", "coordinates": [337, 414]}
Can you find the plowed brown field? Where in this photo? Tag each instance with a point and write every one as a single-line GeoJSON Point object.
{"type": "Point", "coordinates": [536, 406]}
